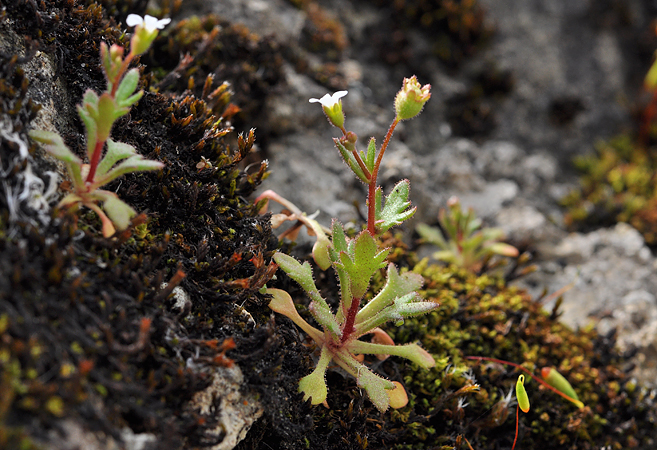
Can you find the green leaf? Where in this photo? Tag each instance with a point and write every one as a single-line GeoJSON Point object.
{"type": "Point", "coordinates": [375, 386]}
{"type": "Point", "coordinates": [406, 306]}
{"type": "Point", "coordinates": [313, 386]}
{"type": "Point", "coordinates": [118, 211]}
{"type": "Point", "coordinates": [89, 120]}
{"type": "Point", "coordinates": [370, 156]}
{"type": "Point", "coordinates": [135, 163]}
{"type": "Point", "coordinates": [348, 158]}
{"type": "Point", "coordinates": [127, 87]}
{"type": "Point", "coordinates": [396, 286]}
{"type": "Point", "coordinates": [116, 151]}
{"type": "Point", "coordinates": [412, 352]}
{"type": "Point", "coordinates": [361, 260]}
{"type": "Point", "coordinates": [54, 144]}
{"type": "Point", "coordinates": [90, 101]}
{"type": "Point", "coordinates": [339, 244]}
{"type": "Point", "coordinates": [431, 235]}
{"type": "Point", "coordinates": [106, 116]}
{"type": "Point", "coordinates": [302, 274]}
{"type": "Point", "coordinates": [396, 208]}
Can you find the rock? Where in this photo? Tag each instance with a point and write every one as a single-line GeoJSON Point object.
{"type": "Point", "coordinates": [612, 273]}
{"type": "Point", "coordinates": [237, 410]}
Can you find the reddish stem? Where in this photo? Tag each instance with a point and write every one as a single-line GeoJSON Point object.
{"type": "Point", "coordinates": [348, 329]}
{"type": "Point", "coordinates": [371, 194]}
{"type": "Point", "coordinates": [517, 419]}
{"type": "Point", "coordinates": [95, 160]}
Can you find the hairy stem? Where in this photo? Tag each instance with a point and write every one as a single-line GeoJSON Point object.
{"type": "Point", "coordinates": [371, 194]}
{"type": "Point", "coordinates": [349, 329]}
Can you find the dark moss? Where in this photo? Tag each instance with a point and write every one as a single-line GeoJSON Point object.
{"type": "Point", "coordinates": [228, 53]}
{"type": "Point", "coordinates": [456, 28]}
{"type": "Point", "coordinates": [86, 320]}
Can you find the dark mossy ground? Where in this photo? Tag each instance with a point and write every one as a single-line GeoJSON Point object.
{"type": "Point", "coordinates": [90, 330]}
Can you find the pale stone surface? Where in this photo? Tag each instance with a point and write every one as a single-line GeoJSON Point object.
{"type": "Point", "coordinates": [237, 411]}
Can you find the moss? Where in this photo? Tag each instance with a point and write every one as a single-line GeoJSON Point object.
{"type": "Point", "coordinates": [226, 52]}
{"type": "Point", "coordinates": [86, 321]}
{"type": "Point", "coordinates": [617, 185]}
{"type": "Point", "coordinates": [456, 28]}
{"type": "Point", "coordinates": [482, 316]}
{"type": "Point", "coordinates": [90, 332]}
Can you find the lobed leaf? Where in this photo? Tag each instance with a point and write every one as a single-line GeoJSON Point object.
{"type": "Point", "coordinates": [116, 151]}
{"type": "Point", "coordinates": [396, 286]}
{"type": "Point", "coordinates": [313, 386]}
{"type": "Point", "coordinates": [361, 260]}
{"type": "Point", "coordinates": [396, 208]}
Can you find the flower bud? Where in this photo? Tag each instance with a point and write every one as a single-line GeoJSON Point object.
{"type": "Point", "coordinates": [411, 98]}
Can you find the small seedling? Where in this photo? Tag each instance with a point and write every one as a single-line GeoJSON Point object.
{"type": "Point", "coordinates": [551, 379]}
{"type": "Point", "coordinates": [466, 244]}
{"type": "Point", "coordinates": [98, 113]}
{"type": "Point", "coordinates": [355, 260]}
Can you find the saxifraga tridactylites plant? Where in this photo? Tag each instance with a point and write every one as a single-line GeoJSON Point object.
{"type": "Point", "coordinates": [98, 113]}
{"type": "Point", "coordinates": [355, 260]}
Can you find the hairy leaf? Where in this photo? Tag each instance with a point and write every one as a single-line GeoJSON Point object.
{"type": "Point", "coordinates": [396, 208]}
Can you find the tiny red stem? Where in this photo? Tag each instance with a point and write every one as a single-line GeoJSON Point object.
{"type": "Point", "coordinates": [517, 419]}
{"type": "Point", "coordinates": [371, 194]}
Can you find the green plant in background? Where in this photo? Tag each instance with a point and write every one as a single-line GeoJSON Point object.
{"type": "Point", "coordinates": [356, 260]}
{"type": "Point", "coordinates": [466, 244]}
{"type": "Point", "coordinates": [98, 113]}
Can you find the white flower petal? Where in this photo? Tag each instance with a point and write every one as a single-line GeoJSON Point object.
{"type": "Point", "coordinates": [133, 20]}
{"type": "Point", "coordinates": [329, 100]}
{"type": "Point", "coordinates": [338, 95]}
{"type": "Point", "coordinates": [150, 22]}
{"type": "Point", "coordinates": [163, 23]}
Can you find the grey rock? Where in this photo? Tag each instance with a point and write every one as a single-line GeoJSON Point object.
{"type": "Point", "coordinates": [237, 410]}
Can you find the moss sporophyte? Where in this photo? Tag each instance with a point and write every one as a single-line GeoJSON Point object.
{"type": "Point", "coordinates": [356, 260]}
{"type": "Point", "coordinates": [98, 113]}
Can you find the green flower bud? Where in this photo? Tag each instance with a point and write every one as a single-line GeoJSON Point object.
{"type": "Point", "coordinates": [411, 98]}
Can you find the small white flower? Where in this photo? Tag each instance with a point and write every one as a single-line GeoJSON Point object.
{"type": "Point", "coordinates": [329, 100]}
{"type": "Point", "coordinates": [149, 22]}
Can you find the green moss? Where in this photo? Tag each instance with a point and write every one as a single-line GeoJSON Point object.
{"type": "Point", "coordinates": [617, 185]}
